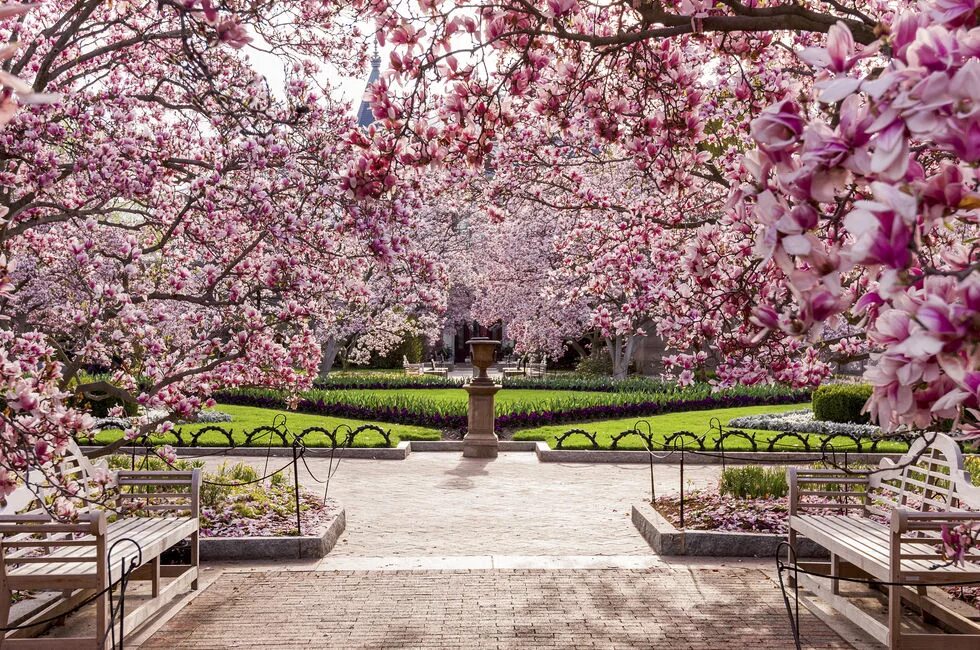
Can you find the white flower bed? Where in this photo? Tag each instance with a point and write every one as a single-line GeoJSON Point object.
{"type": "Point", "coordinates": [802, 422]}
{"type": "Point", "coordinates": [205, 416]}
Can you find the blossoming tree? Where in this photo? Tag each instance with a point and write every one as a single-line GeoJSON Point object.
{"type": "Point", "coordinates": [169, 224]}
{"type": "Point", "coordinates": [845, 136]}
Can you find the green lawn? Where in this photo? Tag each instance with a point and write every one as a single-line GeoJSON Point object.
{"type": "Point", "coordinates": [247, 418]}
{"type": "Point", "coordinates": [697, 422]}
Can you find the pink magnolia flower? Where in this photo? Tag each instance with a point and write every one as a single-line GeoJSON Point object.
{"type": "Point", "coordinates": [957, 542]}
{"type": "Point", "coordinates": [779, 127]}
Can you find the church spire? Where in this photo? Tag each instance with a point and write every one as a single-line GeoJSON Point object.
{"type": "Point", "coordinates": [364, 116]}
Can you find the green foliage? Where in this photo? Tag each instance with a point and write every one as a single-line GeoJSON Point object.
{"type": "Point", "coordinates": [212, 494]}
{"type": "Point", "coordinates": [597, 364]}
{"type": "Point", "coordinates": [411, 346]}
{"type": "Point", "coordinates": [151, 463]}
{"type": "Point", "coordinates": [841, 403]}
{"type": "Point", "coordinates": [753, 482]}
{"type": "Point", "coordinates": [972, 465]}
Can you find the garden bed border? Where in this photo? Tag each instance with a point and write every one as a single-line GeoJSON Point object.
{"type": "Point", "coordinates": [544, 453]}
{"type": "Point", "coordinates": [665, 539]}
{"type": "Point", "coordinates": [304, 547]}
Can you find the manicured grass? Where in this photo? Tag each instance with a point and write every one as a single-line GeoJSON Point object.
{"type": "Point", "coordinates": [248, 418]}
{"type": "Point", "coordinates": [697, 422]}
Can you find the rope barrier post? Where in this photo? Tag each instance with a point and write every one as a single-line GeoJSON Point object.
{"type": "Point", "coordinates": [299, 525]}
{"type": "Point", "coordinates": [682, 486]}
{"type": "Point", "coordinates": [653, 487]}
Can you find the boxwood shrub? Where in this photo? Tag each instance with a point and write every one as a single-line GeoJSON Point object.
{"type": "Point", "coordinates": [841, 403]}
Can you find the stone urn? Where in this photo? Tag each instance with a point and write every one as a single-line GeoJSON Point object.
{"type": "Point", "coordinates": [480, 440]}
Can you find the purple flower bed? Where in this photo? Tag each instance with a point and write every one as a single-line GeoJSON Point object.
{"type": "Point", "coordinates": [704, 510]}
{"type": "Point", "coordinates": [707, 510]}
{"type": "Point", "coordinates": [244, 515]}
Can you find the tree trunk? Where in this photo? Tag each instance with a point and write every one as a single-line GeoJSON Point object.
{"type": "Point", "coordinates": [328, 355]}
{"type": "Point", "coordinates": [621, 350]}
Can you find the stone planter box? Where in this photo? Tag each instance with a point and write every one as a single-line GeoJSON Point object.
{"type": "Point", "coordinates": [665, 539]}
{"type": "Point", "coordinates": [274, 548]}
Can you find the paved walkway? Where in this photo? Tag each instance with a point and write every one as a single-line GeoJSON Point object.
{"type": "Point", "coordinates": [613, 608]}
{"type": "Point", "coordinates": [440, 504]}
{"type": "Point", "coordinates": [442, 552]}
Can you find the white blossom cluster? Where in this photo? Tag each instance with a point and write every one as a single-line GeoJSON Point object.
{"type": "Point", "coordinates": [801, 421]}
{"type": "Point", "coordinates": [204, 416]}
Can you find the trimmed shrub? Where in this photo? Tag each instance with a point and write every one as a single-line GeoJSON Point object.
{"type": "Point", "coordinates": [841, 403]}
{"type": "Point", "coordinates": [753, 482]}
{"type": "Point", "coordinates": [599, 363]}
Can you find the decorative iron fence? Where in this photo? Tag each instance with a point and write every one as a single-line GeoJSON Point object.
{"type": "Point", "coordinates": [715, 440]}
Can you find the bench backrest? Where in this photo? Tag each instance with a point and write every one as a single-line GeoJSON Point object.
{"type": "Point", "coordinates": [74, 467]}
{"type": "Point", "coordinates": [929, 478]}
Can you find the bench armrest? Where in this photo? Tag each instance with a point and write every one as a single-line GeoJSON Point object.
{"type": "Point", "coordinates": [917, 536]}
{"type": "Point", "coordinates": [903, 520]}
{"type": "Point", "coordinates": [88, 523]}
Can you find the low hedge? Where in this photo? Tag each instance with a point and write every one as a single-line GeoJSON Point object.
{"type": "Point", "coordinates": [841, 403]}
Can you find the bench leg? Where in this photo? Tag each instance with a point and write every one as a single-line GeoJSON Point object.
{"type": "Point", "coordinates": [155, 577]}
{"type": "Point", "coordinates": [791, 540]}
{"type": "Point", "coordinates": [835, 571]}
{"type": "Point", "coordinates": [5, 596]}
{"type": "Point", "coordinates": [195, 556]}
{"type": "Point", "coordinates": [103, 635]}
{"type": "Point", "coordinates": [894, 617]}
{"type": "Point", "coordinates": [927, 618]}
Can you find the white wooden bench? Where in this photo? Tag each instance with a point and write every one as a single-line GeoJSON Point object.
{"type": "Point", "coordinates": [155, 509]}
{"type": "Point", "coordinates": [411, 368]}
{"type": "Point", "coordinates": [539, 369]}
{"type": "Point", "coordinates": [433, 369]}
{"type": "Point", "coordinates": [886, 526]}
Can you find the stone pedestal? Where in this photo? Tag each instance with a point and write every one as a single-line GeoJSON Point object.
{"type": "Point", "coordinates": [480, 440]}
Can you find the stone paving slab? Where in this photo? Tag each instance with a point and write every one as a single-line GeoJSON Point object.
{"type": "Point", "coordinates": [440, 504]}
{"type": "Point", "coordinates": [682, 608]}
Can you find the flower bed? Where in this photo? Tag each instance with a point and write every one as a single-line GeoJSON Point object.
{"type": "Point", "coordinates": [236, 503]}
{"type": "Point", "coordinates": [382, 381]}
{"type": "Point", "coordinates": [802, 421]}
{"type": "Point", "coordinates": [419, 410]}
{"type": "Point", "coordinates": [268, 511]}
{"type": "Point", "coordinates": [710, 511]}
{"type": "Point", "coordinates": [206, 416]}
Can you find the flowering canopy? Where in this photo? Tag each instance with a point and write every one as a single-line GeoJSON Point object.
{"type": "Point", "coordinates": [844, 136]}
{"type": "Point", "coordinates": [171, 226]}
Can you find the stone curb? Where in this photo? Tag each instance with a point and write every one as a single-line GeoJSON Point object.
{"type": "Point", "coordinates": [457, 445]}
{"type": "Point", "coordinates": [665, 539]}
{"type": "Point", "coordinates": [708, 457]}
{"type": "Point", "coordinates": [370, 453]}
{"type": "Point", "coordinates": [544, 453]}
{"type": "Point", "coordinates": [274, 548]}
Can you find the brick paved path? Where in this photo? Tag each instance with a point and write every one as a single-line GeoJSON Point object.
{"type": "Point", "coordinates": [502, 556]}
{"type": "Point", "coordinates": [673, 608]}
